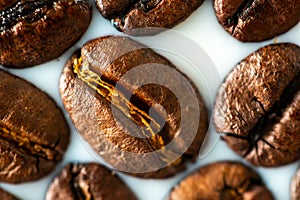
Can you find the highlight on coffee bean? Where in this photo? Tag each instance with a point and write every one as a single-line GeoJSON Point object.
{"type": "Point", "coordinates": [136, 110]}
{"type": "Point", "coordinates": [35, 32]}
{"type": "Point", "coordinates": [145, 17]}
{"type": "Point", "coordinates": [257, 106]}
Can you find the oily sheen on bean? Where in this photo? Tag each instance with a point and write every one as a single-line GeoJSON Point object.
{"type": "Point", "coordinates": [140, 17]}
{"type": "Point", "coordinates": [224, 180]}
{"type": "Point", "coordinates": [147, 132]}
{"type": "Point", "coordinates": [257, 106]}
{"type": "Point", "coordinates": [33, 131]}
{"type": "Point", "coordinates": [35, 32]}
{"type": "Point", "coordinates": [257, 20]}
{"type": "Point", "coordinates": [88, 181]}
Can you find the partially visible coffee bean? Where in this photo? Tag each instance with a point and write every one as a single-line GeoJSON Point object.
{"type": "Point", "coordinates": [5, 4]}
{"type": "Point", "coordinates": [224, 180]}
{"type": "Point", "coordinates": [87, 182]}
{"type": "Point", "coordinates": [257, 20]}
{"type": "Point", "coordinates": [295, 186]}
{"type": "Point", "coordinates": [138, 17]}
{"type": "Point", "coordinates": [258, 105]}
{"type": "Point", "coordinates": [7, 196]}
{"type": "Point", "coordinates": [33, 131]}
{"type": "Point", "coordinates": [134, 107]}
{"type": "Point", "coordinates": [34, 32]}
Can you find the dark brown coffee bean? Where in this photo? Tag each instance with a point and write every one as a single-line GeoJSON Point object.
{"type": "Point", "coordinates": [257, 20]}
{"type": "Point", "coordinates": [7, 196]}
{"type": "Point", "coordinates": [87, 182]}
{"type": "Point", "coordinates": [258, 105]}
{"type": "Point", "coordinates": [130, 16]}
{"type": "Point", "coordinates": [295, 186]}
{"type": "Point", "coordinates": [118, 123]}
{"type": "Point", "coordinates": [5, 4]}
{"type": "Point", "coordinates": [33, 131]}
{"type": "Point", "coordinates": [222, 180]}
{"type": "Point", "coordinates": [34, 32]}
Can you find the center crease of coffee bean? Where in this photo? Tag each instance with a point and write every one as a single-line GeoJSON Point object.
{"type": "Point", "coordinates": [25, 144]}
{"type": "Point", "coordinates": [230, 192]}
{"type": "Point", "coordinates": [144, 5]}
{"type": "Point", "coordinates": [241, 12]}
{"type": "Point", "coordinates": [114, 96]}
{"type": "Point", "coordinates": [78, 191]}
{"type": "Point", "coordinates": [30, 11]}
{"type": "Point", "coordinates": [271, 117]}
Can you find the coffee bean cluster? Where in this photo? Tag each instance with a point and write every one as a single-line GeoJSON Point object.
{"type": "Point", "coordinates": [256, 109]}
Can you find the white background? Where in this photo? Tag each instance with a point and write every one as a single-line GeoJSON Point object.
{"type": "Point", "coordinates": [225, 51]}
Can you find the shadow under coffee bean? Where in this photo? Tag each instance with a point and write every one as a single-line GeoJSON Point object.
{"type": "Point", "coordinates": [257, 107]}
{"type": "Point", "coordinates": [33, 131]}
{"type": "Point", "coordinates": [224, 180]}
{"type": "Point", "coordinates": [257, 20]}
{"type": "Point", "coordinates": [138, 17]}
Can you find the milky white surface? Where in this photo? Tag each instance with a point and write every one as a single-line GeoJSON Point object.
{"type": "Point", "coordinates": [224, 51]}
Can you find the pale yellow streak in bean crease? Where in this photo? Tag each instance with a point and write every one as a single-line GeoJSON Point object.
{"type": "Point", "coordinates": [113, 95]}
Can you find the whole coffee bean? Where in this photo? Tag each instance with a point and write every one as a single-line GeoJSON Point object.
{"type": "Point", "coordinates": [134, 107]}
{"type": "Point", "coordinates": [87, 182]}
{"type": "Point", "coordinates": [295, 186]}
{"type": "Point", "coordinates": [138, 17]}
{"type": "Point", "coordinates": [7, 196]}
{"type": "Point", "coordinates": [34, 32]}
{"type": "Point", "coordinates": [257, 20]}
{"type": "Point", "coordinates": [258, 105]}
{"type": "Point", "coordinates": [33, 131]}
{"type": "Point", "coordinates": [224, 180]}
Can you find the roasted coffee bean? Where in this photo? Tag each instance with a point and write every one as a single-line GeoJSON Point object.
{"type": "Point", "coordinates": [33, 131]}
{"type": "Point", "coordinates": [5, 4]}
{"type": "Point", "coordinates": [222, 180]}
{"type": "Point", "coordinates": [258, 106]}
{"type": "Point", "coordinates": [295, 186]}
{"type": "Point", "coordinates": [7, 196]}
{"type": "Point", "coordinates": [88, 182]}
{"type": "Point", "coordinates": [138, 17]}
{"type": "Point", "coordinates": [34, 32]}
{"type": "Point", "coordinates": [257, 20]}
{"type": "Point", "coordinates": [96, 90]}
